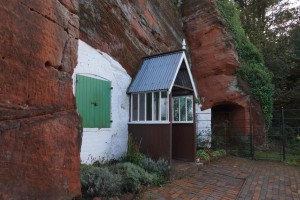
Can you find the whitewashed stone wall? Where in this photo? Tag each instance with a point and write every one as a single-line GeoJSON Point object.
{"type": "Point", "coordinates": [105, 143]}
{"type": "Point", "coordinates": [203, 125]}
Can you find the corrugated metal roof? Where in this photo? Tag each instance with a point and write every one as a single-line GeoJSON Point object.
{"type": "Point", "coordinates": [156, 73]}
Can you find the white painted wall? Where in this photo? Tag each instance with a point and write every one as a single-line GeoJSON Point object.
{"type": "Point", "coordinates": [105, 143]}
{"type": "Point", "coordinates": [203, 125]}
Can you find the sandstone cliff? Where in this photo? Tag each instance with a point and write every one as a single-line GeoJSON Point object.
{"type": "Point", "coordinates": [214, 63]}
{"type": "Point", "coordinates": [129, 30]}
{"type": "Point", "coordinates": [39, 127]}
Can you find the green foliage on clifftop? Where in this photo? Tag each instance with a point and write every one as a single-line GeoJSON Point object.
{"type": "Point", "coordinates": [252, 69]}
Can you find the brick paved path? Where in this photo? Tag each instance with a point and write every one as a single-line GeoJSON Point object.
{"type": "Point", "coordinates": [234, 178]}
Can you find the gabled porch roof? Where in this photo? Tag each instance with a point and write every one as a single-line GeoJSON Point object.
{"type": "Point", "coordinates": [159, 72]}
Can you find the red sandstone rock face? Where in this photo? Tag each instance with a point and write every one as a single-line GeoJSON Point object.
{"type": "Point", "coordinates": [40, 136]}
{"type": "Point", "coordinates": [129, 30]}
{"type": "Point", "coordinates": [214, 59]}
{"type": "Point", "coordinates": [214, 62]}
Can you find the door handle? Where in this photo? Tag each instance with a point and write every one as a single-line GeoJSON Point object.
{"type": "Point", "coordinates": [94, 103]}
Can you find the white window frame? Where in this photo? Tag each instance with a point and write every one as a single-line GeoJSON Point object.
{"type": "Point", "coordinates": [186, 111]}
{"type": "Point", "coordinates": [152, 121]}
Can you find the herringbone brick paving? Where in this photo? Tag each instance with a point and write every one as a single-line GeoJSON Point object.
{"type": "Point", "coordinates": [234, 178]}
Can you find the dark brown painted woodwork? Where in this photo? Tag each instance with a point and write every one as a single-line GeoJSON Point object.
{"type": "Point", "coordinates": [154, 139]}
{"type": "Point", "coordinates": [184, 142]}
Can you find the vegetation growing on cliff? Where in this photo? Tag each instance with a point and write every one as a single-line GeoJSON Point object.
{"type": "Point", "coordinates": [274, 27]}
{"type": "Point", "coordinates": [252, 69]}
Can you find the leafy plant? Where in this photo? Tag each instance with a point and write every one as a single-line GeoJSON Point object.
{"type": "Point", "coordinates": [96, 181]}
{"type": "Point", "coordinates": [203, 155]}
{"type": "Point", "coordinates": [161, 168]}
{"type": "Point", "coordinates": [259, 80]}
{"type": "Point", "coordinates": [133, 153]}
{"type": "Point", "coordinates": [218, 153]}
{"type": "Point", "coordinates": [133, 176]}
{"type": "Point", "coordinates": [208, 154]}
{"type": "Point", "coordinates": [112, 178]}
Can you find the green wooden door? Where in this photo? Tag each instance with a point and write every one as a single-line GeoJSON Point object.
{"type": "Point", "coordinates": [93, 101]}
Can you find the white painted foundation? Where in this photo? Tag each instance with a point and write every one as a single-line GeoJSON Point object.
{"type": "Point", "coordinates": [105, 143]}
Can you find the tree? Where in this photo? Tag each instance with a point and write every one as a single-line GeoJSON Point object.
{"type": "Point", "coordinates": [273, 26]}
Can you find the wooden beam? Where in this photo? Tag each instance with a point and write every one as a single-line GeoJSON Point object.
{"type": "Point", "coordinates": [182, 87]}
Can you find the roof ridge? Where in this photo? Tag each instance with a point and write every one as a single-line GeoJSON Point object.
{"type": "Point", "coordinates": [164, 54]}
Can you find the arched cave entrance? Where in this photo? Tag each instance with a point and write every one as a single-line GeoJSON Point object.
{"type": "Point", "coordinates": [230, 126]}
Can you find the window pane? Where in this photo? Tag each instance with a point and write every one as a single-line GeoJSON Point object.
{"type": "Point", "coordinates": [189, 108]}
{"type": "Point", "coordinates": [164, 106]}
{"type": "Point", "coordinates": [156, 106]}
{"type": "Point", "coordinates": [149, 106]}
{"type": "Point", "coordinates": [176, 108]}
{"type": "Point", "coordinates": [182, 109]}
{"type": "Point", "coordinates": [142, 107]}
{"type": "Point", "coordinates": [134, 107]}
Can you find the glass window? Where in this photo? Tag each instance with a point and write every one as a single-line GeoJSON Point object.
{"type": "Point", "coordinates": [134, 107]}
{"type": "Point", "coordinates": [156, 106]}
{"type": "Point", "coordinates": [176, 108]}
{"type": "Point", "coordinates": [142, 107]}
{"type": "Point", "coordinates": [164, 106]}
{"type": "Point", "coordinates": [149, 106]}
{"type": "Point", "coordinates": [189, 102]}
{"type": "Point", "coordinates": [182, 108]}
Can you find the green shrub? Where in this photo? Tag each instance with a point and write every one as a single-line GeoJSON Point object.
{"type": "Point", "coordinates": [133, 153]}
{"type": "Point", "coordinates": [218, 153]}
{"type": "Point", "coordinates": [133, 176]}
{"type": "Point", "coordinates": [223, 152]}
{"type": "Point", "coordinates": [161, 168]}
{"type": "Point", "coordinates": [108, 180]}
{"type": "Point", "coordinates": [207, 154]}
{"type": "Point", "coordinates": [97, 181]}
{"type": "Point", "coordinates": [202, 155]}
{"type": "Point", "coordinates": [149, 165]}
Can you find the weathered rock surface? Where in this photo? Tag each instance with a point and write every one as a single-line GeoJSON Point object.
{"type": "Point", "coordinates": [40, 135]}
{"type": "Point", "coordinates": [129, 30]}
{"type": "Point", "coordinates": [214, 62]}
{"type": "Point", "coordinates": [213, 55]}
